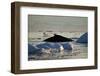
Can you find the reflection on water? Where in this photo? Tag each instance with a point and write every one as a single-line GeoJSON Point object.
{"type": "Point", "coordinates": [78, 51]}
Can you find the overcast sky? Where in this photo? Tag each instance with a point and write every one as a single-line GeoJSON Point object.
{"type": "Point", "coordinates": [56, 23]}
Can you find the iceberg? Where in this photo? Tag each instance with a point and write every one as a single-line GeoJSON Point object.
{"type": "Point", "coordinates": [83, 38]}
{"type": "Point", "coordinates": [43, 45]}
{"type": "Point", "coordinates": [66, 46]}
{"type": "Point", "coordinates": [32, 49]}
{"type": "Point", "coordinates": [48, 45]}
{"type": "Point", "coordinates": [54, 45]}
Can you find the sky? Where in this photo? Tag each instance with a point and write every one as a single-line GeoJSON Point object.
{"type": "Point", "coordinates": [45, 23]}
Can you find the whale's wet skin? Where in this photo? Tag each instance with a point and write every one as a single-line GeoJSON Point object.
{"type": "Point", "coordinates": [56, 50]}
